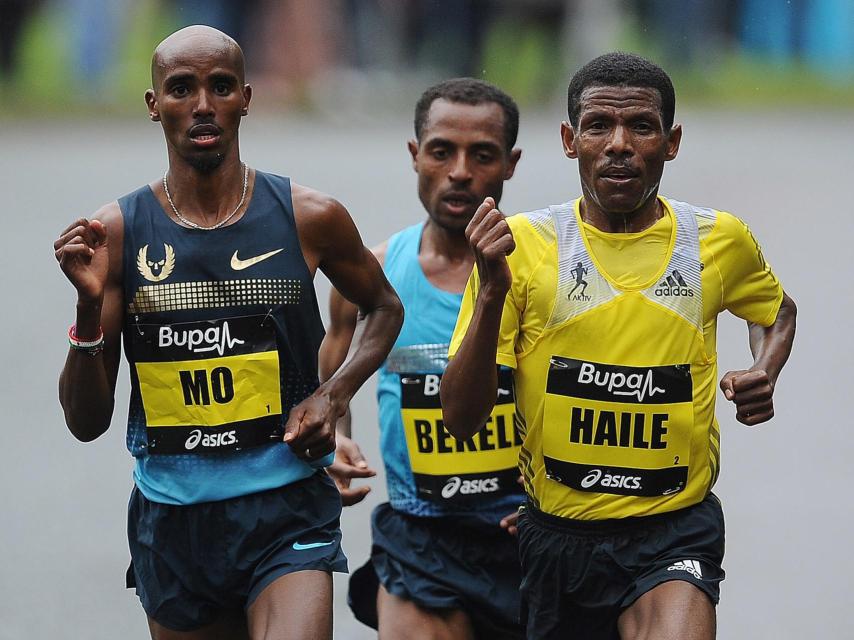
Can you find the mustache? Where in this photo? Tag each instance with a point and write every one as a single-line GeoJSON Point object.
{"type": "Point", "coordinates": [622, 167]}
{"type": "Point", "coordinates": [618, 165]}
{"type": "Point", "coordinates": [205, 124]}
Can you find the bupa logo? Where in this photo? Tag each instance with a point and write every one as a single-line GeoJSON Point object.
{"type": "Point", "coordinates": [199, 340]}
{"type": "Point", "coordinates": [674, 285]}
{"type": "Point", "coordinates": [619, 384]}
{"type": "Point", "coordinates": [455, 485]}
{"type": "Point", "coordinates": [610, 480]}
{"type": "Point", "coordinates": [209, 440]}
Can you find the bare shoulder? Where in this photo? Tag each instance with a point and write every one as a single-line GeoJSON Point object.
{"type": "Point", "coordinates": [324, 226]}
{"type": "Point", "coordinates": [111, 216]}
{"type": "Point", "coordinates": [314, 208]}
{"type": "Point", "coordinates": [379, 252]}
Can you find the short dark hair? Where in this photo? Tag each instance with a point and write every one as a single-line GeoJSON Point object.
{"type": "Point", "coordinates": [474, 92]}
{"type": "Point", "coordinates": [622, 70]}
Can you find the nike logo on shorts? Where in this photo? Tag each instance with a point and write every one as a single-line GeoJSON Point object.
{"type": "Point", "coordinates": [311, 545]}
{"type": "Point", "coordinates": [238, 265]}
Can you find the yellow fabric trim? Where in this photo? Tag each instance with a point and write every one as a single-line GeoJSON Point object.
{"type": "Point", "coordinates": [601, 268]}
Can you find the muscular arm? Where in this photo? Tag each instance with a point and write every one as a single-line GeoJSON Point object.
{"type": "Point", "coordinates": [752, 390]}
{"type": "Point", "coordinates": [90, 255]}
{"type": "Point", "coordinates": [349, 460]}
{"type": "Point", "coordinates": [343, 318]}
{"type": "Point", "coordinates": [470, 382]}
{"type": "Point", "coordinates": [331, 243]}
{"type": "Point", "coordinates": [772, 345]}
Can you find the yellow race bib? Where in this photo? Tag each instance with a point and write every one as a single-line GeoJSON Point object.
{"type": "Point", "coordinates": [618, 429]}
{"type": "Point", "coordinates": [447, 469]}
{"type": "Point", "coordinates": [208, 387]}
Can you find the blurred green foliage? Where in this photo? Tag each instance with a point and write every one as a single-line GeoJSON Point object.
{"type": "Point", "coordinates": [523, 60]}
{"type": "Point", "coordinates": [45, 81]}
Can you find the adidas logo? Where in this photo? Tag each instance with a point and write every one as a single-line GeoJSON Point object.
{"type": "Point", "coordinates": [674, 285]}
{"type": "Point", "coordinates": [691, 566]}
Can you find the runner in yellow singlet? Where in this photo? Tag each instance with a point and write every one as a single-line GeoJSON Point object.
{"type": "Point", "coordinates": [615, 382]}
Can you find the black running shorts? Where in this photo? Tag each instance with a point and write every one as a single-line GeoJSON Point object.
{"type": "Point", "coordinates": [579, 575]}
{"type": "Point", "coordinates": [441, 563]}
{"type": "Point", "coordinates": [194, 562]}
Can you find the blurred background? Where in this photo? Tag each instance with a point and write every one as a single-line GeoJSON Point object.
{"type": "Point", "coordinates": [765, 93]}
{"type": "Point", "coordinates": [79, 55]}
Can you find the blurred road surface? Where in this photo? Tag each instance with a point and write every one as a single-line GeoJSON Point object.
{"type": "Point", "coordinates": [784, 486]}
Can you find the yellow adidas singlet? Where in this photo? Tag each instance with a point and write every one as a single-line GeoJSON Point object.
{"type": "Point", "coordinates": [612, 342]}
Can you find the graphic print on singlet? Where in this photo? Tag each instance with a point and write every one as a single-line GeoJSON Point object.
{"type": "Point", "coordinates": [220, 346]}
{"type": "Point", "coordinates": [614, 428]}
{"type": "Point", "coordinates": [445, 468]}
{"type": "Point", "coordinates": [209, 386]}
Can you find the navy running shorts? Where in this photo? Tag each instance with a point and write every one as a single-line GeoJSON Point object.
{"type": "Point", "coordinates": [442, 563]}
{"type": "Point", "coordinates": [191, 563]}
{"type": "Point", "coordinates": [579, 575]}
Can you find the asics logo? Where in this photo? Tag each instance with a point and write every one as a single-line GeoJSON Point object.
{"type": "Point", "coordinates": [455, 485]}
{"type": "Point", "coordinates": [210, 440]}
{"type": "Point", "coordinates": [610, 480]}
{"type": "Point", "coordinates": [591, 478]}
{"type": "Point", "coordinates": [238, 265]}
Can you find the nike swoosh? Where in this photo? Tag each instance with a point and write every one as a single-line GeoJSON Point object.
{"type": "Point", "coordinates": [311, 545]}
{"type": "Point", "coordinates": [237, 264]}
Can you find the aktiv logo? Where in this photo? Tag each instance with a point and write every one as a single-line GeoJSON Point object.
{"type": "Point", "coordinates": [674, 285]}
{"type": "Point", "coordinates": [578, 273]}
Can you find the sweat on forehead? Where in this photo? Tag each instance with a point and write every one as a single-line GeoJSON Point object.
{"type": "Point", "coordinates": [191, 43]}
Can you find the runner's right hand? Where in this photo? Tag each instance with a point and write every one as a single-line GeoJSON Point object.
{"type": "Point", "coordinates": [82, 253]}
{"type": "Point", "coordinates": [492, 241]}
{"type": "Point", "coordinates": [349, 463]}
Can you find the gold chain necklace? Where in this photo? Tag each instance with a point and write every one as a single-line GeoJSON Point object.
{"type": "Point", "coordinates": [192, 224]}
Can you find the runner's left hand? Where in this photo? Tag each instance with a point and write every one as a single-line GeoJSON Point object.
{"type": "Point", "coordinates": [752, 392]}
{"type": "Point", "coordinates": [310, 430]}
{"type": "Point", "coordinates": [349, 463]}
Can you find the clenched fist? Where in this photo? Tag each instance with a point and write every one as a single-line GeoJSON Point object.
{"type": "Point", "coordinates": [83, 256]}
{"type": "Point", "coordinates": [490, 238]}
{"type": "Point", "coordinates": [752, 392]}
